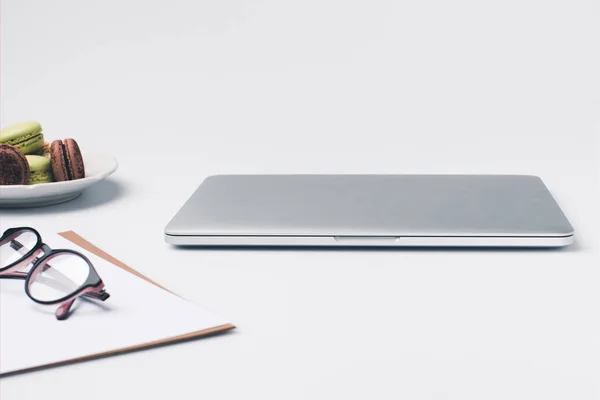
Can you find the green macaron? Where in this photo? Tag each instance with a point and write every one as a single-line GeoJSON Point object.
{"type": "Point", "coordinates": [26, 136]}
{"type": "Point", "coordinates": [40, 170]}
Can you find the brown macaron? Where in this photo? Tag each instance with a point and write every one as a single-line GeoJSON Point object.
{"type": "Point", "coordinates": [14, 168]}
{"type": "Point", "coordinates": [67, 161]}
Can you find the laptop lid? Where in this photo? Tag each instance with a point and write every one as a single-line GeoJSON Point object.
{"type": "Point", "coordinates": [380, 206]}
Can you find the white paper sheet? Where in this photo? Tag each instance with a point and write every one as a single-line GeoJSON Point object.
{"type": "Point", "coordinates": [137, 312]}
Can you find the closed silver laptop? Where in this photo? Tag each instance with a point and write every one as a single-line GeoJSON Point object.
{"type": "Point", "coordinates": [371, 210]}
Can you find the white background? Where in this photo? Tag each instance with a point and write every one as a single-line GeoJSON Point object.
{"type": "Point", "coordinates": [179, 90]}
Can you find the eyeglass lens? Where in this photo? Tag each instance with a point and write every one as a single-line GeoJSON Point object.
{"type": "Point", "coordinates": [58, 276]}
{"type": "Point", "coordinates": [12, 250]}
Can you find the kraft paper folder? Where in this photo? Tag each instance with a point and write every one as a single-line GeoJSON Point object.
{"type": "Point", "coordinates": [84, 244]}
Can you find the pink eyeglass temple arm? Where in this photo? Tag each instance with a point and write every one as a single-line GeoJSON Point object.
{"type": "Point", "coordinates": [14, 270]}
{"type": "Point", "coordinates": [96, 292]}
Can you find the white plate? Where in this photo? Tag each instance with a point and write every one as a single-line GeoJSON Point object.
{"type": "Point", "coordinates": [98, 166]}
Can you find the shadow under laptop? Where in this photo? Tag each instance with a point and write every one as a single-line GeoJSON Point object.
{"type": "Point", "coordinates": [575, 247]}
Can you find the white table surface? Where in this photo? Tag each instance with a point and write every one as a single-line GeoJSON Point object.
{"type": "Point", "coordinates": [181, 90]}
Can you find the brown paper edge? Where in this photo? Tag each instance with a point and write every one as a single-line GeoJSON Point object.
{"type": "Point", "coordinates": [81, 242]}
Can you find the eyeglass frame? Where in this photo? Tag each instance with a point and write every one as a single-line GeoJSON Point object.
{"type": "Point", "coordinates": [93, 287]}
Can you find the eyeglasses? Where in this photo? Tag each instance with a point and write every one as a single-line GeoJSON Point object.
{"type": "Point", "coordinates": [55, 277]}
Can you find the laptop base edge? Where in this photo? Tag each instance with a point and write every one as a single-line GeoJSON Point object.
{"type": "Point", "coordinates": [370, 241]}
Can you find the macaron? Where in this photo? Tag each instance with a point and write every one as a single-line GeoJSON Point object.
{"type": "Point", "coordinates": [67, 161]}
{"type": "Point", "coordinates": [27, 136]}
{"type": "Point", "coordinates": [40, 170]}
{"type": "Point", "coordinates": [14, 168]}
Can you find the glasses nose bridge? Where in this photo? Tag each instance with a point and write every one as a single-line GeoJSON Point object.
{"type": "Point", "coordinates": [34, 257]}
